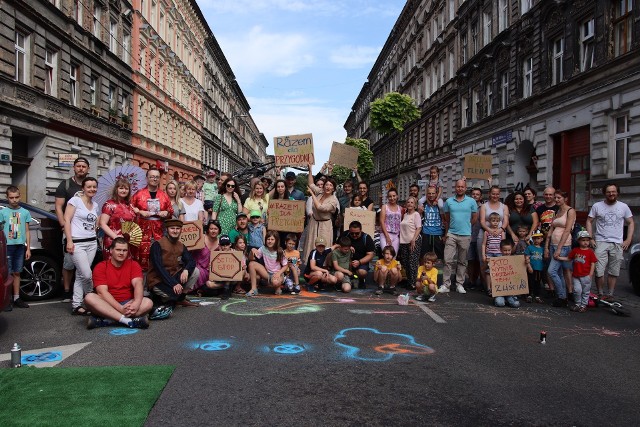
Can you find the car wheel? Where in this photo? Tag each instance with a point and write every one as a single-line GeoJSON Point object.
{"type": "Point", "coordinates": [40, 278]}
{"type": "Point", "coordinates": [634, 274]}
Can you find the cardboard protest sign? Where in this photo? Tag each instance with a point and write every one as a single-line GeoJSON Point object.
{"type": "Point", "coordinates": [344, 155]}
{"type": "Point", "coordinates": [367, 219]}
{"type": "Point", "coordinates": [294, 150]}
{"type": "Point", "coordinates": [286, 215]}
{"type": "Point", "coordinates": [192, 235]}
{"type": "Point", "coordinates": [225, 266]}
{"type": "Point", "coordinates": [508, 276]}
{"type": "Point", "coordinates": [477, 166]}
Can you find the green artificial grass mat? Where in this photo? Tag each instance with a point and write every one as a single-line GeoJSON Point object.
{"type": "Point", "coordinates": [92, 396]}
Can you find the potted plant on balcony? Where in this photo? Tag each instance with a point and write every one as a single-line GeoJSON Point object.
{"type": "Point", "coordinates": [113, 115]}
{"type": "Point", "coordinates": [126, 121]}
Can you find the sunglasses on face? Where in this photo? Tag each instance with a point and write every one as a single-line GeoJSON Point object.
{"type": "Point", "coordinates": [231, 186]}
{"type": "Point", "coordinates": [354, 234]}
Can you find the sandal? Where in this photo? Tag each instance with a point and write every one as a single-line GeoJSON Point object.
{"type": "Point", "coordinates": [582, 309]}
{"type": "Point", "coordinates": [80, 311]}
{"type": "Point", "coordinates": [539, 300]}
{"type": "Point", "coordinates": [252, 293]}
{"type": "Point", "coordinates": [239, 291]}
{"type": "Point", "coordinates": [187, 303]}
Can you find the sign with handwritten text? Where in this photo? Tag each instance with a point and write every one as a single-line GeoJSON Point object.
{"type": "Point", "coordinates": [366, 217]}
{"type": "Point", "coordinates": [294, 150]}
{"type": "Point", "coordinates": [225, 266]}
{"type": "Point", "coordinates": [286, 215]}
{"type": "Point", "coordinates": [344, 155]}
{"type": "Point", "coordinates": [508, 276]}
{"type": "Point", "coordinates": [477, 166]}
{"type": "Point", "coordinates": [192, 236]}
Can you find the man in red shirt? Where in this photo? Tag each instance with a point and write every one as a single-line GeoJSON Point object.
{"type": "Point", "coordinates": [118, 295]}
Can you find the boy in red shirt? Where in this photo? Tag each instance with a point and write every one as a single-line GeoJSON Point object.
{"type": "Point", "coordinates": [584, 264]}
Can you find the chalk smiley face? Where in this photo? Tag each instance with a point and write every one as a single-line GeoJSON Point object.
{"type": "Point", "coordinates": [378, 346]}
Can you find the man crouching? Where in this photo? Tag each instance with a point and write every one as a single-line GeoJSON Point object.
{"type": "Point", "coordinates": [118, 291]}
{"type": "Point", "coordinates": [172, 272]}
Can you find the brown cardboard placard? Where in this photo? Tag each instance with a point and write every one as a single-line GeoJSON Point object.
{"type": "Point", "coordinates": [225, 266]}
{"type": "Point", "coordinates": [477, 166]}
{"type": "Point", "coordinates": [192, 235]}
{"type": "Point", "coordinates": [344, 155]}
{"type": "Point", "coordinates": [366, 217]}
{"type": "Point", "coordinates": [286, 215]}
{"type": "Point", "coordinates": [294, 150]}
{"type": "Point", "coordinates": [508, 276]}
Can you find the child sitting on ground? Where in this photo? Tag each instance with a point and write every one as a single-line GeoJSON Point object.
{"type": "Point", "coordinates": [584, 264]}
{"type": "Point", "coordinates": [293, 263]}
{"type": "Point", "coordinates": [506, 248]}
{"type": "Point", "coordinates": [535, 266]}
{"type": "Point", "coordinates": [257, 230]}
{"type": "Point", "coordinates": [341, 263]}
{"type": "Point", "coordinates": [315, 271]}
{"type": "Point", "coordinates": [387, 267]}
{"type": "Point", "coordinates": [240, 245]}
{"type": "Point", "coordinates": [224, 244]}
{"type": "Point", "coordinates": [427, 279]}
{"type": "Point", "coordinates": [491, 244]}
{"type": "Point", "coordinates": [275, 264]}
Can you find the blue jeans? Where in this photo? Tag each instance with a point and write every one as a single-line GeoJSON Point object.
{"type": "Point", "coordinates": [555, 270]}
{"type": "Point", "coordinates": [511, 300]}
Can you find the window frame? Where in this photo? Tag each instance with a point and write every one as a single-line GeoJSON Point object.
{"type": "Point", "coordinates": [21, 56]}
{"type": "Point", "coordinates": [97, 20]}
{"type": "Point", "coordinates": [51, 72]}
{"type": "Point", "coordinates": [623, 20]}
{"type": "Point", "coordinates": [557, 61]}
{"type": "Point", "coordinates": [503, 15]}
{"type": "Point", "coordinates": [93, 90]}
{"type": "Point", "coordinates": [504, 90]}
{"type": "Point", "coordinates": [624, 138]}
{"type": "Point", "coordinates": [527, 77]}
{"type": "Point", "coordinates": [587, 44]}
{"type": "Point", "coordinates": [73, 84]}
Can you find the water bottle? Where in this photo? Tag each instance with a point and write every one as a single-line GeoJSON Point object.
{"type": "Point", "coordinates": [16, 356]}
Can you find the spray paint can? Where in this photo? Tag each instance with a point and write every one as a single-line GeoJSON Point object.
{"type": "Point", "coordinates": [543, 337]}
{"type": "Point", "coordinates": [16, 356]}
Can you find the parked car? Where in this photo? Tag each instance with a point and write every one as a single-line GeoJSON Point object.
{"type": "Point", "coordinates": [41, 276]}
{"type": "Point", "coordinates": [7, 279]}
{"type": "Point", "coordinates": [633, 266]}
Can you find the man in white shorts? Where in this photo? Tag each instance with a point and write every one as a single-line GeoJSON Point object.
{"type": "Point", "coordinates": [610, 216]}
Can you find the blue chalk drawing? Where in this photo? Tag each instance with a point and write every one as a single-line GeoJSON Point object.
{"type": "Point", "coordinates": [385, 345]}
{"type": "Point", "coordinates": [215, 346]}
{"type": "Point", "coordinates": [123, 331]}
{"type": "Point", "coordinates": [47, 356]}
{"type": "Point", "coordinates": [288, 349]}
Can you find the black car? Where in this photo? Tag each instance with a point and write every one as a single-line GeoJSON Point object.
{"type": "Point", "coordinates": [634, 267]}
{"type": "Point", "coordinates": [41, 275]}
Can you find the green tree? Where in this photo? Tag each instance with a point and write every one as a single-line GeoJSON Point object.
{"type": "Point", "coordinates": [392, 112]}
{"type": "Point", "coordinates": [365, 161]}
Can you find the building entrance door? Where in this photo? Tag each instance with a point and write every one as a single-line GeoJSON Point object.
{"type": "Point", "coordinates": [571, 168]}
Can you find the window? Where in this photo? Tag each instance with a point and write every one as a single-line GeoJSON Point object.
{"type": "Point", "coordinates": [126, 47]}
{"type": "Point", "coordinates": [486, 36]}
{"type": "Point", "coordinates": [124, 106]}
{"type": "Point", "coordinates": [474, 38]}
{"type": "Point", "coordinates": [97, 14]}
{"type": "Point", "coordinates": [504, 90]}
{"type": "Point", "coordinates": [556, 61]}
{"type": "Point", "coordinates": [622, 145]}
{"type": "Point", "coordinates": [22, 57]}
{"type": "Point", "coordinates": [427, 85]}
{"type": "Point", "coordinates": [113, 96]}
{"type": "Point", "coordinates": [161, 26]}
{"type": "Point", "coordinates": [525, 6]}
{"type": "Point", "coordinates": [464, 47]}
{"type": "Point", "coordinates": [623, 23]}
{"type": "Point", "coordinates": [152, 21]}
{"type": "Point", "coordinates": [51, 73]}
{"type": "Point", "coordinates": [475, 109]}
{"type": "Point", "coordinates": [73, 85]}
{"type": "Point", "coordinates": [527, 77]}
{"type": "Point", "coordinates": [586, 44]}
{"type": "Point", "coordinates": [488, 99]}
{"type": "Point", "coordinates": [503, 15]}
{"type": "Point", "coordinates": [93, 91]}
{"type": "Point", "coordinates": [152, 68]}
{"type": "Point", "coordinates": [77, 11]}
{"type": "Point", "coordinates": [452, 64]}
{"type": "Point", "coordinates": [113, 36]}
{"type": "Point", "coordinates": [465, 112]}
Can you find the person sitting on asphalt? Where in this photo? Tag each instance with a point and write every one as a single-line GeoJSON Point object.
{"type": "Point", "coordinates": [315, 271]}
{"type": "Point", "coordinates": [172, 272]}
{"type": "Point", "coordinates": [363, 251]}
{"type": "Point", "coordinates": [118, 291]}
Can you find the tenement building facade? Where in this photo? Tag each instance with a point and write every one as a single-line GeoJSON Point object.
{"type": "Point", "coordinates": [551, 90]}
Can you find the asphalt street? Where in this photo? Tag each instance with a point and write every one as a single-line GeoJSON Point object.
{"type": "Point", "coordinates": [358, 359]}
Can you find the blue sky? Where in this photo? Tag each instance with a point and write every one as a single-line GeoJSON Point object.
{"type": "Point", "coordinates": [301, 63]}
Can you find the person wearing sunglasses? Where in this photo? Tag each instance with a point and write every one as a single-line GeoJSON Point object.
{"type": "Point", "coordinates": [227, 205]}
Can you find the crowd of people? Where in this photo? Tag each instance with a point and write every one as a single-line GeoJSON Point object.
{"type": "Point", "coordinates": [462, 232]}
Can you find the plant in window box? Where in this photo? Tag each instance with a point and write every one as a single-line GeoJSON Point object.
{"type": "Point", "coordinates": [126, 121]}
{"type": "Point", "coordinates": [113, 114]}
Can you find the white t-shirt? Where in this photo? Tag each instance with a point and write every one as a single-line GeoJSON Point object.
{"type": "Point", "coordinates": [191, 211]}
{"type": "Point", "coordinates": [83, 222]}
{"type": "Point", "coordinates": [609, 220]}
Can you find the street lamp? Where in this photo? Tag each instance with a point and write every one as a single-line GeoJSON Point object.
{"type": "Point", "coordinates": [224, 137]}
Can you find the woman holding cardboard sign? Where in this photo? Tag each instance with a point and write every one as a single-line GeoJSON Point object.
{"type": "Point", "coordinates": [324, 205]}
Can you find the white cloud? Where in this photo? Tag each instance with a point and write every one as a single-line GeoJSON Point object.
{"type": "Point", "coordinates": [258, 52]}
{"type": "Point", "coordinates": [349, 56]}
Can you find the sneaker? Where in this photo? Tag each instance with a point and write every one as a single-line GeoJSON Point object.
{"type": "Point", "coordinates": [139, 322]}
{"type": "Point", "coordinates": [161, 312]}
{"type": "Point", "coordinates": [379, 291]}
{"type": "Point", "coordinates": [66, 296]}
{"type": "Point", "coordinates": [98, 322]}
{"type": "Point", "coordinates": [460, 289]}
{"type": "Point", "coordinates": [296, 290]}
{"type": "Point", "coordinates": [443, 289]}
{"type": "Point", "coordinates": [420, 298]}
{"type": "Point", "coordinates": [362, 284]}
{"type": "Point", "coordinates": [529, 299]}
{"type": "Point", "coordinates": [432, 298]}
{"type": "Point", "coordinates": [20, 304]}
{"type": "Point", "coordinates": [395, 291]}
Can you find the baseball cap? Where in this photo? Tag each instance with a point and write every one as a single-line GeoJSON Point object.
{"type": "Point", "coordinates": [224, 240]}
{"type": "Point", "coordinates": [584, 234]}
{"type": "Point", "coordinates": [255, 213]}
{"type": "Point", "coordinates": [240, 215]}
{"type": "Point", "coordinates": [321, 241]}
{"type": "Point", "coordinates": [81, 159]}
{"type": "Point", "coordinates": [537, 233]}
{"type": "Point", "coordinates": [290, 175]}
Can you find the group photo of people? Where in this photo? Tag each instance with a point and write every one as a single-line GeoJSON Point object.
{"type": "Point", "coordinates": [423, 246]}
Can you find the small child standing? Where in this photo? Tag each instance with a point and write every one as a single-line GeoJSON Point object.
{"type": "Point", "coordinates": [522, 232]}
{"type": "Point", "coordinates": [341, 264]}
{"type": "Point", "coordinates": [387, 267]}
{"type": "Point", "coordinates": [427, 279]}
{"type": "Point", "coordinates": [584, 264]}
{"type": "Point", "coordinates": [491, 244]}
{"type": "Point", "coordinates": [535, 266]}
{"type": "Point", "coordinates": [257, 230]}
{"type": "Point", "coordinates": [210, 189]}
{"type": "Point", "coordinates": [506, 249]}
{"type": "Point", "coordinates": [293, 259]}
{"type": "Point", "coordinates": [16, 229]}
{"type": "Point", "coordinates": [435, 181]}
